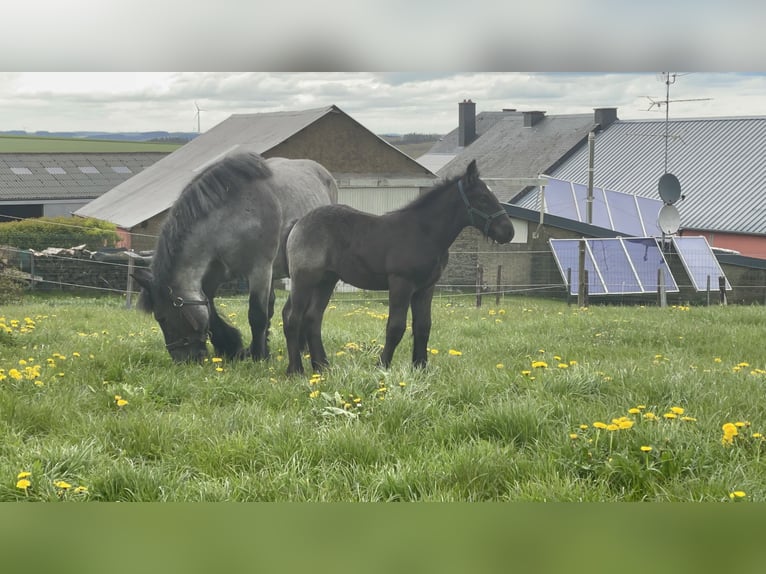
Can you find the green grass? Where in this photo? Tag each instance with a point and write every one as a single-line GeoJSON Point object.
{"type": "Point", "coordinates": [481, 423]}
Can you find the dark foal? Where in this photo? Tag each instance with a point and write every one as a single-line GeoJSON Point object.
{"type": "Point", "coordinates": [404, 252]}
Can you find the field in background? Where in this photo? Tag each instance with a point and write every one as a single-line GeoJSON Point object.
{"type": "Point", "coordinates": [529, 400]}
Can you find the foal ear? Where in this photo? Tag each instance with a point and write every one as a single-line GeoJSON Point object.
{"type": "Point", "coordinates": [472, 171]}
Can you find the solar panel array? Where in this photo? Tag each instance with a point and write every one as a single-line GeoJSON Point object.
{"type": "Point", "coordinates": [700, 263]}
{"type": "Point", "coordinates": [622, 212]}
{"type": "Point", "coordinates": [617, 265]}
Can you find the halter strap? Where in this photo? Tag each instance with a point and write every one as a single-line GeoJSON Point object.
{"type": "Point", "coordinates": [181, 303]}
{"type": "Point", "coordinates": [479, 212]}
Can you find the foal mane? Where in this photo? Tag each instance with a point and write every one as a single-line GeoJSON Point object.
{"type": "Point", "coordinates": [430, 195]}
{"type": "Point", "coordinates": [216, 185]}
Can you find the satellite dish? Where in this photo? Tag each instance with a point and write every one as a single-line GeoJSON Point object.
{"type": "Point", "coordinates": [669, 220]}
{"type": "Point", "coordinates": [670, 188]}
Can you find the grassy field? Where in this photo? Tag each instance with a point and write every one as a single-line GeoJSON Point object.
{"type": "Point", "coordinates": [529, 400]}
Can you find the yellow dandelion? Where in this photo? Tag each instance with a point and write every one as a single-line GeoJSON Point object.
{"type": "Point", "coordinates": [634, 411]}
{"type": "Point", "coordinates": [757, 435]}
{"type": "Point", "coordinates": [62, 484]}
{"type": "Point", "coordinates": [455, 353]}
{"type": "Point", "coordinates": [584, 427]}
{"type": "Point", "coordinates": [217, 359]}
{"type": "Point", "coordinates": [670, 415]}
{"type": "Point", "coordinates": [23, 484]}
{"type": "Point", "coordinates": [219, 369]}
{"type": "Point", "coordinates": [526, 373]}
{"type": "Point", "coordinates": [689, 419]}
{"type": "Point", "coordinates": [599, 425]}
{"type": "Point", "coordinates": [625, 424]}
{"type": "Point", "coordinates": [81, 490]}
{"type": "Point", "coordinates": [24, 474]}
{"type": "Point", "coordinates": [646, 449]}
{"type": "Point", "coordinates": [717, 360]}
{"type": "Point", "coordinates": [434, 351]}
{"type": "Point", "coordinates": [572, 362]}
{"type": "Point", "coordinates": [500, 366]}
{"type": "Point", "coordinates": [737, 494]}
{"type": "Point", "coordinates": [573, 435]}
{"type": "Point", "coordinates": [402, 384]}
{"type": "Point", "coordinates": [539, 365]}
{"type": "Point", "coordinates": [314, 394]}
{"type": "Point", "coordinates": [563, 365]}
{"type": "Point", "coordinates": [677, 410]}
{"type": "Point", "coordinates": [650, 416]}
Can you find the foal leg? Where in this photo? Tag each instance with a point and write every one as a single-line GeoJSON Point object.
{"type": "Point", "coordinates": [292, 319]}
{"type": "Point", "coordinates": [312, 328]}
{"type": "Point", "coordinates": [399, 295]}
{"type": "Point", "coordinates": [421, 325]}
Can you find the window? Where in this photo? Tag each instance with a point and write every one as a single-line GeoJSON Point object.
{"type": "Point", "coordinates": [121, 169]}
{"type": "Point", "coordinates": [21, 170]}
{"type": "Point", "coordinates": [89, 169]}
{"type": "Point", "coordinates": [55, 170]}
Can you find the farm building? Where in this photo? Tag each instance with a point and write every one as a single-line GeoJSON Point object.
{"type": "Point", "coordinates": [45, 176]}
{"type": "Point", "coordinates": [722, 191]}
{"type": "Point", "coordinates": [372, 175]}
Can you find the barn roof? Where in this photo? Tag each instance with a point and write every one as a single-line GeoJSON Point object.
{"type": "Point", "coordinates": [718, 161]}
{"type": "Point", "coordinates": [154, 190]}
{"type": "Point", "coordinates": [29, 177]}
{"type": "Point", "coordinates": [507, 148]}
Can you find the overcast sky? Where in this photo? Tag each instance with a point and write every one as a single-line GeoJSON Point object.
{"type": "Point", "coordinates": [309, 38]}
{"type": "Point", "coordinates": [386, 102]}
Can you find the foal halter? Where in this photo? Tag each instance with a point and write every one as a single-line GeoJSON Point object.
{"type": "Point", "coordinates": [181, 303]}
{"type": "Point", "coordinates": [479, 212]}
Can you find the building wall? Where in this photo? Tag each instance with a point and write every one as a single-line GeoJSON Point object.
{"type": "Point", "coordinates": [345, 147]}
{"type": "Point", "coordinates": [749, 245]}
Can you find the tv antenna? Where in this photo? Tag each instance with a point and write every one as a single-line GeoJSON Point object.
{"type": "Point", "coordinates": [197, 115]}
{"type": "Point", "coordinates": [669, 78]}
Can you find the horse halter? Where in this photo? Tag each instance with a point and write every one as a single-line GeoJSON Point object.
{"type": "Point", "coordinates": [181, 303]}
{"type": "Point", "coordinates": [479, 212]}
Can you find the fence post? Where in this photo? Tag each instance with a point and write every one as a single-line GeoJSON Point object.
{"type": "Point", "coordinates": [32, 269]}
{"type": "Point", "coordinates": [662, 296]}
{"type": "Point", "coordinates": [479, 284]}
{"type": "Point", "coordinates": [585, 288]}
{"type": "Point", "coordinates": [569, 286]}
{"type": "Point", "coordinates": [497, 287]}
{"type": "Point", "coordinates": [707, 290]}
{"type": "Point", "coordinates": [722, 289]}
{"type": "Point", "coordinates": [129, 297]}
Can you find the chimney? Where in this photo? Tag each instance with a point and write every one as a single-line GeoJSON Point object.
{"type": "Point", "coordinates": [532, 118]}
{"type": "Point", "coordinates": [604, 117]}
{"type": "Point", "coordinates": [466, 123]}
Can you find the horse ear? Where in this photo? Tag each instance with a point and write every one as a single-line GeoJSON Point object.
{"type": "Point", "coordinates": [145, 279]}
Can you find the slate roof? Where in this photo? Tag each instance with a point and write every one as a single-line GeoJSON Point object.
{"type": "Point", "coordinates": [718, 161]}
{"type": "Point", "coordinates": [508, 149]}
{"type": "Point", "coordinates": [34, 177]}
{"type": "Point", "coordinates": [153, 191]}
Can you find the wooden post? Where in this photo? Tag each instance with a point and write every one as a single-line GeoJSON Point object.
{"type": "Point", "coordinates": [479, 284]}
{"type": "Point", "coordinates": [707, 290]}
{"type": "Point", "coordinates": [585, 288]}
{"type": "Point", "coordinates": [722, 289]}
{"type": "Point", "coordinates": [569, 286]}
{"type": "Point", "coordinates": [582, 276]}
{"type": "Point", "coordinates": [32, 269]}
{"type": "Point", "coordinates": [129, 297]}
{"type": "Point", "coordinates": [497, 285]}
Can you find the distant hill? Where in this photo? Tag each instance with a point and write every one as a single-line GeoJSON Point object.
{"type": "Point", "coordinates": [414, 145]}
{"type": "Point", "coordinates": [154, 136]}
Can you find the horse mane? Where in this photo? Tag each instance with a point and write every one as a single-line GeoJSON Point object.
{"type": "Point", "coordinates": [214, 186]}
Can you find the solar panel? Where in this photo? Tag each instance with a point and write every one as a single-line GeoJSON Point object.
{"type": "Point", "coordinates": [615, 266]}
{"type": "Point", "coordinates": [699, 262]}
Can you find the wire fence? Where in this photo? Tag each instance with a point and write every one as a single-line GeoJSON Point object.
{"type": "Point", "coordinates": [486, 274]}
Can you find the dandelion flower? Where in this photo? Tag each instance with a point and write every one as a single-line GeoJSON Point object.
{"type": "Point", "coordinates": [500, 366]}
{"type": "Point", "coordinates": [670, 415]}
{"type": "Point", "coordinates": [434, 351]}
{"type": "Point", "coordinates": [737, 494]}
{"type": "Point", "coordinates": [23, 484]}
{"type": "Point", "coordinates": [646, 449]}
{"type": "Point", "coordinates": [62, 484]}
{"type": "Point", "coordinates": [539, 365]}
{"type": "Point", "coordinates": [24, 474]}
{"type": "Point", "coordinates": [314, 394]}
{"type": "Point", "coordinates": [573, 435]}
{"type": "Point", "coordinates": [216, 360]}
{"type": "Point", "coordinates": [81, 490]}
{"type": "Point", "coordinates": [455, 353]}
{"type": "Point", "coordinates": [677, 410]}
{"type": "Point", "coordinates": [634, 411]}
{"type": "Point", "coordinates": [599, 425]}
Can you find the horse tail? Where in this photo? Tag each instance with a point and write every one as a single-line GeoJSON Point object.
{"type": "Point", "coordinates": [282, 262]}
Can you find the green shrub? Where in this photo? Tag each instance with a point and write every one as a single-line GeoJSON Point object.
{"type": "Point", "coordinates": [12, 284]}
{"type": "Point", "coordinates": [43, 232]}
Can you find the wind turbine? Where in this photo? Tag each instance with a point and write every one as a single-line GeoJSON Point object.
{"type": "Point", "coordinates": [197, 115]}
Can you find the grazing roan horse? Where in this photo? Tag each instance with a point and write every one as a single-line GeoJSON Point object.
{"type": "Point", "coordinates": [403, 251]}
{"type": "Point", "coordinates": [230, 221]}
